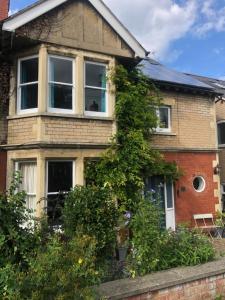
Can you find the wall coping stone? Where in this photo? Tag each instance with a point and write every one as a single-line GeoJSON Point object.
{"type": "Point", "coordinates": [120, 289]}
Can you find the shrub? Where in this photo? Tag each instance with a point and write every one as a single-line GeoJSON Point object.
{"type": "Point", "coordinates": [146, 238]}
{"type": "Point", "coordinates": [17, 238]}
{"type": "Point", "coordinates": [155, 249]}
{"type": "Point", "coordinates": [186, 247]}
{"type": "Point", "coordinates": [64, 270]}
{"type": "Point", "coordinates": [92, 209]}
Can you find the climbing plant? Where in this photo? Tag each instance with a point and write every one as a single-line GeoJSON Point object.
{"type": "Point", "coordinates": [130, 157]}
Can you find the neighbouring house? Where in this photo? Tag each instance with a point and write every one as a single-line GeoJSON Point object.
{"type": "Point", "coordinates": [187, 136]}
{"type": "Point", "coordinates": [4, 92]}
{"type": "Point", "coordinates": [61, 108]}
{"type": "Point", "coordinates": [219, 87]}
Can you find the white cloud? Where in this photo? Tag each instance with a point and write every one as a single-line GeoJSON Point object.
{"type": "Point", "coordinates": [218, 51]}
{"type": "Point", "coordinates": [156, 23]}
{"type": "Point", "coordinates": [212, 18]}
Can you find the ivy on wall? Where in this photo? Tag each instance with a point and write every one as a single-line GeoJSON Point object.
{"type": "Point", "coordinates": [130, 157]}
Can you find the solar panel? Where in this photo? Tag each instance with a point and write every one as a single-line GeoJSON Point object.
{"type": "Point", "coordinates": [159, 72]}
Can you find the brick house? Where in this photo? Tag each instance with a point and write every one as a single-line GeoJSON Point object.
{"type": "Point", "coordinates": [4, 8]}
{"type": "Point", "coordinates": [187, 135]}
{"type": "Point", "coordinates": [61, 109]}
{"type": "Point", "coordinates": [219, 87]}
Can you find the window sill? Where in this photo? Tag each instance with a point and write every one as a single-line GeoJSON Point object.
{"type": "Point", "coordinates": [58, 115]}
{"type": "Point", "coordinates": [164, 133]}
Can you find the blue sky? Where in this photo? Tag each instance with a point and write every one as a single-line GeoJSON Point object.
{"type": "Point", "coordinates": [187, 35]}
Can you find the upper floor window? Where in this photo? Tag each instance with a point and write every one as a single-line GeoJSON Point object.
{"type": "Point", "coordinates": [61, 84]}
{"type": "Point", "coordinates": [27, 85]}
{"type": "Point", "coordinates": [164, 117]}
{"type": "Point", "coordinates": [221, 132]}
{"type": "Point", "coordinates": [95, 89]}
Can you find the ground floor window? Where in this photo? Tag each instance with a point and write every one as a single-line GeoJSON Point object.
{"type": "Point", "coordinates": [60, 180]}
{"type": "Point", "coordinates": [28, 171]}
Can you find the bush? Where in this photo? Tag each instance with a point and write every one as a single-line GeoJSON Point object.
{"type": "Point", "coordinates": [17, 238]}
{"type": "Point", "coordinates": [186, 247]}
{"type": "Point", "coordinates": [63, 270]}
{"type": "Point", "coordinates": [92, 209]}
{"type": "Point", "coordinates": [154, 249]}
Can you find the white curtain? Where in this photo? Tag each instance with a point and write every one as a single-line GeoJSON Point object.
{"type": "Point", "coordinates": [28, 171]}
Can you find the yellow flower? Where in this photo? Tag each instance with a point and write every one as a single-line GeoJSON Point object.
{"type": "Point", "coordinates": [132, 273]}
{"type": "Point", "coordinates": [80, 261]}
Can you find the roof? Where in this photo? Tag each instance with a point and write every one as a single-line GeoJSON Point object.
{"type": "Point", "coordinates": [217, 84]}
{"type": "Point", "coordinates": [43, 6]}
{"type": "Point", "coordinates": [160, 73]}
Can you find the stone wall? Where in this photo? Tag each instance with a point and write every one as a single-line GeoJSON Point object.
{"type": "Point", "coordinates": [193, 123]}
{"type": "Point", "coordinates": [204, 282]}
{"type": "Point", "coordinates": [78, 25]}
{"type": "Point", "coordinates": [61, 130]}
{"type": "Point", "coordinates": [22, 131]}
{"type": "Point", "coordinates": [47, 129]}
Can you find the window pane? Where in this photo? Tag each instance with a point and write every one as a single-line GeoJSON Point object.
{"type": "Point", "coordinates": [61, 70]}
{"type": "Point", "coordinates": [95, 100]}
{"type": "Point", "coordinates": [29, 70]}
{"type": "Point", "coordinates": [60, 176]}
{"type": "Point", "coordinates": [29, 96]}
{"type": "Point", "coordinates": [163, 117]}
{"type": "Point", "coordinates": [61, 96]}
{"type": "Point", "coordinates": [55, 205]}
{"type": "Point", "coordinates": [169, 192]}
{"type": "Point", "coordinates": [28, 172]}
{"type": "Point", "coordinates": [95, 75]}
{"type": "Point", "coordinates": [155, 185]}
{"type": "Point", "coordinates": [221, 133]}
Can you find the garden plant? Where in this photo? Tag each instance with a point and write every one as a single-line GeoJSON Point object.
{"type": "Point", "coordinates": [37, 262]}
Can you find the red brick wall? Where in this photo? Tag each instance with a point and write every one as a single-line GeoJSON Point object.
{"type": "Point", "coordinates": [4, 8]}
{"type": "Point", "coordinates": [3, 162]}
{"type": "Point", "coordinates": [203, 289]}
{"type": "Point", "coordinates": [187, 200]}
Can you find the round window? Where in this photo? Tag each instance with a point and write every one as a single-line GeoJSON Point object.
{"type": "Point", "coordinates": [199, 184]}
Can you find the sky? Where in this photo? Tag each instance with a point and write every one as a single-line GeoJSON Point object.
{"type": "Point", "coordinates": [186, 35]}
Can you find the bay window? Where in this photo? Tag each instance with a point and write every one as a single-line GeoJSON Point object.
{"type": "Point", "coordinates": [28, 171]}
{"type": "Point", "coordinates": [60, 180]}
{"type": "Point", "coordinates": [27, 85]}
{"type": "Point", "coordinates": [61, 84]}
{"type": "Point", "coordinates": [95, 89]}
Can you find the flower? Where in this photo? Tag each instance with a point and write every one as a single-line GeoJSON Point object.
{"type": "Point", "coordinates": [127, 215]}
{"type": "Point", "coordinates": [80, 261]}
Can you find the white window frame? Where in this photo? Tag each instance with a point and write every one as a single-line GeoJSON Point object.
{"type": "Point", "coordinates": [219, 122]}
{"type": "Point", "coordinates": [19, 85]}
{"type": "Point", "coordinates": [93, 113]}
{"type": "Point", "coordinates": [73, 174]}
{"type": "Point", "coordinates": [60, 110]}
{"type": "Point", "coordinates": [158, 128]}
{"type": "Point", "coordinates": [203, 187]}
{"type": "Point", "coordinates": [17, 169]}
